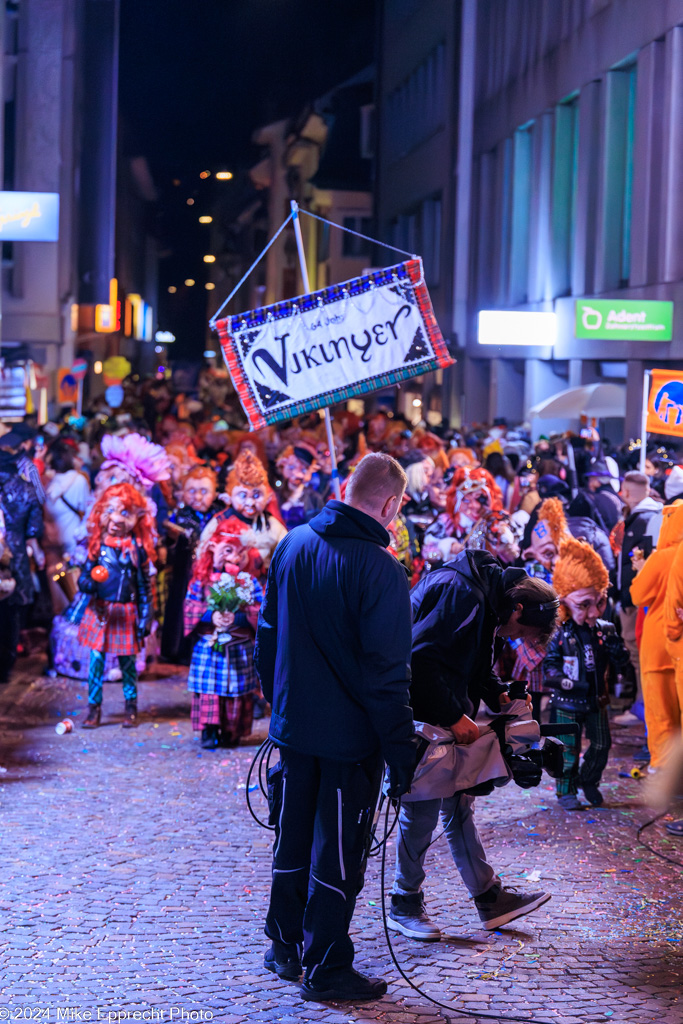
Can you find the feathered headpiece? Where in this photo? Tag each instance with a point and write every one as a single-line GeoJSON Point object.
{"type": "Point", "coordinates": [145, 461]}
{"type": "Point", "coordinates": [578, 566]}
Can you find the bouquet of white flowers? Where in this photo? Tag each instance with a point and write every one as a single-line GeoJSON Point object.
{"type": "Point", "coordinates": [232, 591]}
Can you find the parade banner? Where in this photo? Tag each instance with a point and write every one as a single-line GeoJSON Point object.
{"type": "Point", "coordinates": [665, 404]}
{"type": "Point", "coordinates": [343, 341]}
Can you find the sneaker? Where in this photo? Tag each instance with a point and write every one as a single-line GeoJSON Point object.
{"type": "Point", "coordinates": [281, 961]}
{"type": "Point", "coordinates": [626, 718]}
{"type": "Point", "coordinates": [592, 794]}
{"type": "Point", "coordinates": [570, 802]}
{"type": "Point", "coordinates": [408, 915]}
{"type": "Point", "coordinates": [498, 906]}
{"type": "Point", "coordinates": [642, 756]}
{"type": "Point", "coordinates": [340, 985]}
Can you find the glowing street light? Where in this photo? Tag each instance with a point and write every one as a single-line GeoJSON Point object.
{"type": "Point", "coordinates": [189, 281]}
{"type": "Point", "coordinates": [205, 219]}
{"type": "Point", "coordinates": [172, 289]}
{"type": "Point", "coordinates": [209, 259]}
{"type": "Point", "coordinates": [205, 174]}
{"type": "Point", "coordinates": [190, 202]}
{"type": "Point", "coordinates": [223, 175]}
{"type": "Point", "coordinates": [209, 286]}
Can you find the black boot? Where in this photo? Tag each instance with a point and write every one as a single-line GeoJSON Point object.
{"type": "Point", "coordinates": [210, 737]}
{"type": "Point", "coordinates": [130, 716]}
{"type": "Point", "coordinates": [93, 719]}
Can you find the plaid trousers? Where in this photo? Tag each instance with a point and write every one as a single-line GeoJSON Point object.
{"type": "Point", "coordinates": [596, 727]}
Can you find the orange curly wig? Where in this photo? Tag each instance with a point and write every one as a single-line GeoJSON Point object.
{"type": "Point", "coordinates": [577, 567]}
{"type": "Point", "coordinates": [248, 470]}
{"type": "Point", "coordinates": [551, 513]}
{"type": "Point", "coordinates": [144, 530]}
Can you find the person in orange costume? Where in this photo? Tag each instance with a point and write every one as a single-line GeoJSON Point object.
{"type": "Point", "coordinates": [657, 576]}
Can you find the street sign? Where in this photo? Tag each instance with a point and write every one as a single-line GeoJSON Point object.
{"type": "Point", "coordinates": [625, 320]}
{"type": "Point", "coordinates": [67, 387]}
{"type": "Point", "coordinates": [80, 369]}
{"type": "Point", "coordinates": [29, 216]}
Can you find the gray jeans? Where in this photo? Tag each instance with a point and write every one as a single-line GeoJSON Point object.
{"type": "Point", "coordinates": [417, 821]}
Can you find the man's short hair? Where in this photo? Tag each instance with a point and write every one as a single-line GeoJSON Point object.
{"type": "Point", "coordinates": [376, 478]}
{"type": "Point", "coordinates": [634, 476]}
{"type": "Point", "coordinates": [540, 605]}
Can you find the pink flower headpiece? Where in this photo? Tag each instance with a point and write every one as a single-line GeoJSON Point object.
{"type": "Point", "coordinates": [146, 461]}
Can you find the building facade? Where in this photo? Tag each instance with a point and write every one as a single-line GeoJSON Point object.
{"type": "Point", "coordinates": [417, 146]}
{"type": "Point", "coordinates": [577, 192]}
{"type": "Point", "coordinates": [60, 130]}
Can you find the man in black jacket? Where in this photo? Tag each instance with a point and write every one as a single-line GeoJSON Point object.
{"type": "Point", "coordinates": [463, 613]}
{"type": "Point", "coordinates": [333, 655]}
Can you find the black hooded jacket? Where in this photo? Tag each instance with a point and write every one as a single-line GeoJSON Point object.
{"type": "Point", "coordinates": [333, 641]}
{"type": "Point", "coordinates": [456, 611]}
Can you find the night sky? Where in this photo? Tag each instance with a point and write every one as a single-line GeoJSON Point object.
{"type": "Point", "coordinates": [196, 78]}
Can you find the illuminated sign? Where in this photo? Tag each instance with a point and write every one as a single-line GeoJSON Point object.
{"type": "Point", "coordinates": [516, 327]}
{"type": "Point", "coordinates": [29, 216]}
{"type": "Point", "coordinates": [164, 337]}
{"type": "Point", "coordinates": [628, 320]}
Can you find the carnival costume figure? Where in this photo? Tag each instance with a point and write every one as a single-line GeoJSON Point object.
{"type": "Point", "coordinates": [222, 678]}
{"type": "Point", "coordinates": [184, 528]}
{"type": "Point", "coordinates": [115, 610]}
{"type": "Point", "coordinates": [471, 494]}
{"type": "Point", "coordinates": [576, 666]}
{"type": "Point", "coordinates": [252, 509]}
{"type": "Point", "coordinates": [130, 459]}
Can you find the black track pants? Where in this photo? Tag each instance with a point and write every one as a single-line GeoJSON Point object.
{"type": "Point", "coordinates": [322, 811]}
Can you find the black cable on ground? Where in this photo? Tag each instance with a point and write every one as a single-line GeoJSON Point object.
{"type": "Point", "coordinates": [261, 757]}
{"type": "Point", "coordinates": [662, 856]}
{"type": "Point", "coordinates": [472, 1014]}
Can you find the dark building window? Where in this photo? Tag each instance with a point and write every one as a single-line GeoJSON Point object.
{"type": "Point", "coordinates": [564, 191]}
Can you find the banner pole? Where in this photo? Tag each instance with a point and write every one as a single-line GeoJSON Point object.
{"type": "Point", "coordinates": [643, 421]}
{"type": "Point", "coordinates": [336, 486]}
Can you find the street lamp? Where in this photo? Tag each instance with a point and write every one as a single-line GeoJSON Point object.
{"type": "Point", "coordinates": [205, 219]}
{"type": "Point", "coordinates": [223, 175]}
{"type": "Point", "coordinates": [209, 259]}
{"type": "Point", "coordinates": [189, 281]}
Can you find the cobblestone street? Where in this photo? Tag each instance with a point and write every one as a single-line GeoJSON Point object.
{"type": "Point", "coordinates": [133, 879]}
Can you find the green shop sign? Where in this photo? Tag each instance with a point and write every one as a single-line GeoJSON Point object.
{"type": "Point", "coordinates": [628, 320]}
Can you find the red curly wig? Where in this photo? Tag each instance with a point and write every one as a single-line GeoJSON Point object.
{"type": "Point", "coordinates": [476, 479]}
{"type": "Point", "coordinates": [225, 530]}
{"type": "Point", "coordinates": [133, 501]}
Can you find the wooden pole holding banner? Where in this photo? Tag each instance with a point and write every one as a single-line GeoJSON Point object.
{"type": "Point", "coordinates": [643, 421]}
{"type": "Point", "coordinates": [336, 486]}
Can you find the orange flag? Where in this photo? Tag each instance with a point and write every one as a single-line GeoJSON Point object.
{"type": "Point", "coordinates": [665, 404]}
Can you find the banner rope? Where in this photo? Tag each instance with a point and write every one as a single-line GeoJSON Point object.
{"type": "Point", "coordinates": [350, 231]}
{"type": "Point", "coordinates": [212, 321]}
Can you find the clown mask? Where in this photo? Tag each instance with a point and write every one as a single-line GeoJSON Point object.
{"type": "Point", "coordinates": [250, 501]}
{"type": "Point", "coordinates": [199, 492]}
{"type": "Point", "coordinates": [118, 519]}
{"type": "Point", "coordinates": [295, 471]}
{"type": "Point", "coordinates": [542, 547]}
{"type": "Point", "coordinates": [586, 605]}
{"type": "Point", "coordinates": [229, 552]}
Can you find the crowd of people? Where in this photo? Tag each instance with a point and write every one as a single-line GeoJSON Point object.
{"type": "Point", "coordinates": [200, 498]}
{"type": "Point", "coordinates": [147, 532]}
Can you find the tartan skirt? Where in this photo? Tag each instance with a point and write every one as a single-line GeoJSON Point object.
{"type": "Point", "coordinates": [114, 633]}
